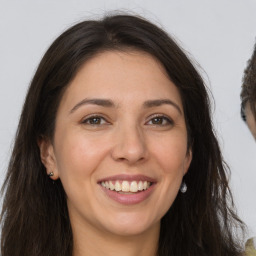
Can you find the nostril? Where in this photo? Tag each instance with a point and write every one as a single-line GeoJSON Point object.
{"type": "Point", "coordinates": [130, 146]}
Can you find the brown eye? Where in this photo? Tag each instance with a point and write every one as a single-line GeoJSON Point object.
{"type": "Point", "coordinates": [160, 120]}
{"type": "Point", "coordinates": [157, 120]}
{"type": "Point", "coordinates": [94, 120]}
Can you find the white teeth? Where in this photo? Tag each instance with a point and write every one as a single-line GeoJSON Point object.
{"type": "Point", "coordinates": [140, 186]}
{"type": "Point", "coordinates": [126, 186]}
{"type": "Point", "coordinates": [134, 186]}
{"type": "Point", "coordinates": [111, 185]}
{"type": "Point", "coordinates": [118, 186]}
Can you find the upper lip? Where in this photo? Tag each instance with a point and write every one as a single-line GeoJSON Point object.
{"type": "Point", "coordinates": [138, 177]}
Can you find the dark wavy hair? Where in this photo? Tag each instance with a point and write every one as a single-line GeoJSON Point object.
{"type": "Point", "coordinates": [248, 93]}
{"type": "Point", "coordinates": [35, 217]}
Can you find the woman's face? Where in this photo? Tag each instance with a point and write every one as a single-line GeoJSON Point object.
{"type": "Point", "coordinates": [250, 120]}
{"type": "Point", "coordinates": [120, 144]}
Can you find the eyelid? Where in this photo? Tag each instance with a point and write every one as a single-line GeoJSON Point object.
{"type": "Point", "coordinates": [91, 116]}
{"type": "Point", "coordinates": [166, 117]}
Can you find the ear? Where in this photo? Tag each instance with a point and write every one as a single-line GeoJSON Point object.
{"type": "Point", "coordinates": [187, 161]}
{"type": "Point", "coordinates": [48, 157]}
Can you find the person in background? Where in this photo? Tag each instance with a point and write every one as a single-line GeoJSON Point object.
{"type": "Point", "coordinates": [248, 94]}
{"type": "Point", "coordinates": [248, 114]}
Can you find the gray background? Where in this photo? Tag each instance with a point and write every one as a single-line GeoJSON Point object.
{"type": "Point", "coordinates": [218, 34]}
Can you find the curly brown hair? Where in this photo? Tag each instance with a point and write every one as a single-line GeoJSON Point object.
{"type": "Point", "coordinates": [248, 93]}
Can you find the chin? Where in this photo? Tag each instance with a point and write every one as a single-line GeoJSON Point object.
{"type": "Point", "coordinates": [126, 225]}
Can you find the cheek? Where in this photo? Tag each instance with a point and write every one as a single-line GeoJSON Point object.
{"type": "Point", "coordinates": [79, 155]}
{"type": "Point", "coordinates": [252, 125]}
{"type": "Point", "coordinates": [170, 157]}
{"type": "Point", "coordinates": [171, 154]}
{"type": "Point", "coordinates": [78, 159]}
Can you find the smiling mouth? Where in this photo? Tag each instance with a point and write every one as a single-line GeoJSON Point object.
{"type": "Point", "coordinates": [126, 187]}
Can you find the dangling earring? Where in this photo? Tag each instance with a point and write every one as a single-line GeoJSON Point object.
{"type": "Point", "coordinates": [183, 187]}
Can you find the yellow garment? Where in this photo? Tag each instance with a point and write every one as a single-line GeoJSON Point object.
{"type": "Point", "coordinates": [250, 249]}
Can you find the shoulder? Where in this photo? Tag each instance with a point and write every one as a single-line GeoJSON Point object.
{"type": "Point", "coordinates": [250, 247]}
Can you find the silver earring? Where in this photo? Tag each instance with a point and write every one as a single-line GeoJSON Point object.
{"type": "Point", "coordinates": [183, 187]}
{"type": "Point", "coordinates": [50, 174]}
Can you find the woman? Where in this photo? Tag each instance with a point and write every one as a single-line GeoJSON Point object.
{"type": "Point", "coordinates": [115, 152]}
{"type": "Point", "coordinates": [248, 94]}
{"type": "Point", "coordinates": [248, 113]}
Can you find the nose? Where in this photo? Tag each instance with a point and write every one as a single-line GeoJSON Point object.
{"type": "Point", "coordinates": [130, 146]}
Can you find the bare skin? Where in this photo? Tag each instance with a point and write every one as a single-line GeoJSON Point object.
{"type": "Point", "coordinates": [250, 120]}
{"type": "Point", "coordinates": [145, 244]}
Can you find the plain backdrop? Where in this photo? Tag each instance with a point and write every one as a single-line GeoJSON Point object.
{"type": "Point", "coordinates": [219, 35]}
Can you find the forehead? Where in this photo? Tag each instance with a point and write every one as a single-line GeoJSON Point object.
{"type": "Point", "coordinates": [122, 76]}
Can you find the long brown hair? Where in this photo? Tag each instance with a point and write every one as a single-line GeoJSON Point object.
{"type": "Point", "coordinates": [35, 218]}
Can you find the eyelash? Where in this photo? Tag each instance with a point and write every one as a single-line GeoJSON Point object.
{"type": "Point", "coordinates": [90, 118]}
{"type": "Point", "coordinates": [157, 118]}
{"type": "Point", "coordinates": [163, 118]}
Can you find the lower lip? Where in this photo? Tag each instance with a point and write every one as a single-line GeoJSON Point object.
{"type": "Point", "coordinates": [129, 199]}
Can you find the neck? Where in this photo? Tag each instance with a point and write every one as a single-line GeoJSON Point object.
{"type": "Point", "coordinates": [91, 242]}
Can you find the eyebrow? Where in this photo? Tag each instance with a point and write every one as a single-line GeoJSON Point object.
{"type": "Point", "coordinates": [99, 102]}
{"type": "Point", "coordinates": [159, 102]}
{"type": "Point", "coordinates": [110, 103]}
